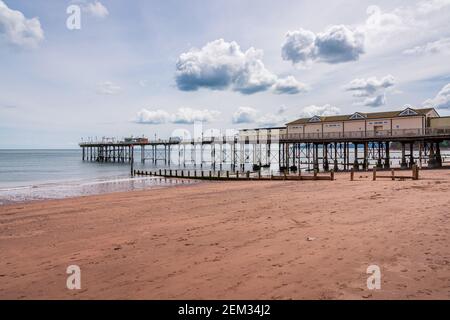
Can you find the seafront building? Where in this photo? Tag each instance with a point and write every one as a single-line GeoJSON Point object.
{"type": "Point", "coordinates": [375, 131]}
{"type": "Point", "coordinates": [378, 123]}
{"type": "Point", "coordinates": [357, 124]}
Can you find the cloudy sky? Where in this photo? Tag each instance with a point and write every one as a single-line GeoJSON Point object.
{"type": "Point", "coordinates": [152, 67]}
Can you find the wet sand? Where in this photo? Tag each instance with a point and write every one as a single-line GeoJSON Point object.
{"type": "Point", "coordinates": [235, 240]}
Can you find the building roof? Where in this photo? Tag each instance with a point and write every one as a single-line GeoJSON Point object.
{"type": "Point", "coordinates": [369, 115]}
{"type": "Point", "coordinates": [267, 128]}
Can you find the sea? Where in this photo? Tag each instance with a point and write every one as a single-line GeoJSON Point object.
{"type": "Point", "coordinates": [31, 175]}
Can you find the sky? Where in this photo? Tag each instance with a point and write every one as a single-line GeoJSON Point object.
{"type": "Point", "coordinates": [111, 68]}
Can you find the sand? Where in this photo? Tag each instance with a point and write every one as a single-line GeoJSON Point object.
{"type": "Point", "coordinates": [235, 240]}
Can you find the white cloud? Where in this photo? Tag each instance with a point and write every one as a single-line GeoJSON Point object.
{"type": "Point", "coordinates": [289, 85]}
{"type": "Point", "coordinates": [441, 45]}
{"type": "Point", "coordinates": [299, 46]}
{"type": "Point", "coordinates": [429, 6]}
{"type": "Point", "coordinates": [377, 101]}
{"type": "Point", "coordinates": [273, 119]}
{"type": "Point", "coordinates": [96, 9]}
{"type": "Point", "coordinates": [372, 89]}
{"type": "Point", "coordinates": [108, 88]}
{"type": "Point", "coordinates": [253, 77]}
{"type": "Point", "coordinates": [250, 115]}
{"type": "Point", "coordinates": [152, 117]}
{"type": "Point", "coordinates": [369, 86]}
{"type": "Point", "coordinates": [342, 43]}
{"type": "Point", "coordinates": [380, 25]}
{"type": "Point", "coordinates": [18, 30]}
{"type": "Point", "coordinates": [336, 44]}
{"type": "Point", "coordinates": [244, 115]}
{"type": "Point", "coordinates": [325, 110]}
{"type": "Point", "coordinates": [188, 115]}
{"type": "Point", "coordinates": [409, 20]}
{"type": "Point", "coordinates": [339, 44]}
{"type": "Point", "coordinates": [181, 116]}
{"type": "Point", "coordinates": [441, 100]}
{"type": "Point", "coordinates": [220, 65]}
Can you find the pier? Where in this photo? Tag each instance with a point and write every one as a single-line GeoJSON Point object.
{"type": "Point", "coordinates": [341, 151]}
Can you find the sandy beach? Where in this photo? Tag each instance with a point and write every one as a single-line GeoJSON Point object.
{"type": "Point", "coordinates": [235, 240]}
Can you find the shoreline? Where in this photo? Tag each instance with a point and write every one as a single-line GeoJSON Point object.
{"type": "Point", "coordinates": [68, 189]}
{"type": "Point", "coordinates": [87, 196]}
{"type": "Point", "coordinates": [235, 240]}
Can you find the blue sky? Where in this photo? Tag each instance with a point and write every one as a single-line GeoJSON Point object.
{"type": "Point", "coordinates": [152, 67]}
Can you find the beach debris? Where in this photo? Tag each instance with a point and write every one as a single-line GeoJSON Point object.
{"type": "Point", "coordinates": [310, 238]}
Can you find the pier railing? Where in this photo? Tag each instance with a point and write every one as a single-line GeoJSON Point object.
{"type": "Point", "coordinates": [395, 133]}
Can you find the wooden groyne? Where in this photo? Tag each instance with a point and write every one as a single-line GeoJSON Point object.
{"type": "Point", "coordinates": [414, 174]}
{"type": "Point", "coordinates": [393, 174]}
{"type": "Point", "coordinates": [257, 176]}
{"type": "Point", "coordinates": [232, 176]}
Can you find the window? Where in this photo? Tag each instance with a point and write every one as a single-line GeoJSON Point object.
{"type": "Point", "coordinates": [357, 115]}
{"type": "Point", "coordinates": [315, 119]}
{"type": "Point", "coordinates": [408, 112]}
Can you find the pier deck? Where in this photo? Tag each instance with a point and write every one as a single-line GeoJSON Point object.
{"type": "Point", "coordinates": [321, 151]}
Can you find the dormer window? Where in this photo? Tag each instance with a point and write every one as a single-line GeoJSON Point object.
{"type": "Point", "coordinates": [408, 112]}
{"type": "Point", "coordinates": [357, 115]}
{"type": "Point", "coordinates": [315, 119]}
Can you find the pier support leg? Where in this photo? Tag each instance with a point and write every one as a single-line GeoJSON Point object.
{"type": "Point", "coordinates": [316, 157]}
{"type": "Point", "coordinates": [387, 160]}
{"type": "Point", "coordinates": [335, 166]}
{"type": "Point", "coordinates": [280, 161]}
{"type": "Point", "coordinates": [345, 156]}
{"type": "Point", "coordinates": [432, 163]}
{"type": "Point", "coordinates": [438, 155]}
{"type": "Point", "coordinates": [379, 162]}
{"type": "Point", "coordinates": [168, 154]}
{"type": "Point", "coordinates": [286, 154]}
{"type": "Point", "coordinates": [366, 161]}
{"type": "Point", "coordinates": [355, 163]}
{"type": "Point", "coordinates": [325, 157]}
{"type": "Point", "coordinates": [403, 164]}
{"type": "Point", "coordinates": [132, 160]}
{"type": "Point", "coordinates": [411, 154]}
{"type": "Point", "coordinates": [420, 154]}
